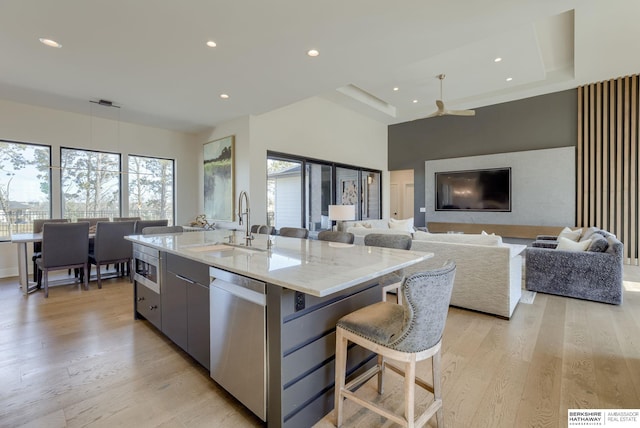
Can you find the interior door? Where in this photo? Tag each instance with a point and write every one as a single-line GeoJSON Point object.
{"type": "Point", "coordinates": [401, 196]}
{"type": "Point", "coordinates": [393, 203]}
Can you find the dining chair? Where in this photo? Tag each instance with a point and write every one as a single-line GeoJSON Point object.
{"type": "Point", "coordinates": [92, 220]}
{"type": "Point", "coordinates": [37, 246]}
{"type": "Point", "coordinates": [294, 232]}
{"type": "Point", "coordinates": [407, 334]}
{"type": "Point", "coordinates": [155, 230]}
{"type": "Point", "coordinates": [390, 281]}
{"type": "Point", "coordinates": [64, 246]}
{"type": "Point", "coordinates": [126, 218]}
{"type": "Point", "coordinates": [111, 247]}
{"type": "Point", "coordinates": [335, 236]}
{"type": "Point", "coordinates": [141, 224]}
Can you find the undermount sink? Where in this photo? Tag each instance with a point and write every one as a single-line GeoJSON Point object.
{"type": "Point", "coordinates": [222, 247]}
{"type": "Point", "coordinates": [243, 247]}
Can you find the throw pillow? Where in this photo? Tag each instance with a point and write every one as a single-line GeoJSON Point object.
{"type": "Point", "coordinates": [487, 234]}
{"type": "Point", "coordinates": [598, 244]}
{"type": "Point", "coordinates": [573, 235]}
{"type": "Point", "coordinates": [569, 245]}
{"type": "Point", "coordinates": [420, 235]}
{"type": "Point", "coordinates": [406, 225]}
{"type": "Point", "coordinates": [588, 233]}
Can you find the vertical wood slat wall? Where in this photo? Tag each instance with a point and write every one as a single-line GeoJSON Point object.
{"type": "Point", "coordinates": [607, 160]}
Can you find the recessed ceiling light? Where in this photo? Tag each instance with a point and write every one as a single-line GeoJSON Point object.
{"type": "Point", "coordinates": [224, 96]}
{"type": "Point", "coordinates": [313, 52]}
{"type": "Point", "coordinates": [415, 101]}
{"type": "Point", "coordinates": [396, 88]}
{"type": "Point", "coordinates": [49, 42]}
{"type": "Point", "coordinates": [509, 79]}
{"type": "Point", "coordinates": [212, 44]}
{"type": "Point", "coordinates": [498, 59]}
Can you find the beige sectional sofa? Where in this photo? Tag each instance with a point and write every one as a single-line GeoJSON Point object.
{"type": "Point", "coordinates": [361, 228]}
{"type": "Point", "coordinates": [489, 272]}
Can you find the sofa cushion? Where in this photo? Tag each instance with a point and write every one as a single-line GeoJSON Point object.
{"type": "Point", "coordinates": [599, 244]}
{"type": "Point", "coordinates": [573, 235]}
{"type": "Point", "coordinates": [458, 238]}
{"type": "Point", "coordinates": [570, 245]}
{"type": "Point", "coordinates": [363, 224]}
{"type": "Point", "coordinates": [405, 225]}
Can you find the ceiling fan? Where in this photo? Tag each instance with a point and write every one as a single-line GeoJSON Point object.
{"type": "Point", "coordinates": [443, 111]}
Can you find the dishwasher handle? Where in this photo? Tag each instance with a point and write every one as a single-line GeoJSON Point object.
{"type": "Point", "coordinates": [240, 291]}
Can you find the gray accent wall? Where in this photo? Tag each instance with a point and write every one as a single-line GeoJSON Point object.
{"type": "Point", "coordinates": [542, 122]}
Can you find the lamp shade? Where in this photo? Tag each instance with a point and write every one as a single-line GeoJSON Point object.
{"type": "Point", "coordinates": [342, 212]}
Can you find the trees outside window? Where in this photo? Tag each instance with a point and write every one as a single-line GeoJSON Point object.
{"type": "Point", "coordinates": [151, 188]}
{"type": "Point", "coordinates": [90, 183]}
{"type": "Point", "coordinates": [25, 191]}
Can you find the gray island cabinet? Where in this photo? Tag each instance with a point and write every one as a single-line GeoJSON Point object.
{"type": "Point", "coordinates": [262, 318]}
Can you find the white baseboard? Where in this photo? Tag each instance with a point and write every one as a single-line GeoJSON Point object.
{"type": "Point", "coordinates": [9, 272]}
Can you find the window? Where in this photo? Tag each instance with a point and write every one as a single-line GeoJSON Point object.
{"type": "Point", "coordinates": [151, 188]}
{"type": "Point", "coordinates": [25, 190]}
{"type": "Point", "coordinates": [90, 183]}
{"type": "Point", "coordinates": [300, 190]}
{"type": "Point", "coordinates": [284, 192]}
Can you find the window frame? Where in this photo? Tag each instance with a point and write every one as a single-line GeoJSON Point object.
{"type": "Point", "coordinates": [50, 180]}
{"type": "Point", "coordinates": [173, 181]}
{"type": "Point", "coordinates": [119, 172]}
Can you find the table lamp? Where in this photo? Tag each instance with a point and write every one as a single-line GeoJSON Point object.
{"type": "Point", "coordinates": [341, 213]}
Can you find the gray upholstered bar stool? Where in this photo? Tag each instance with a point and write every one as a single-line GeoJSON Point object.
{"type": "Point", "coordinates": [141, 224]}
{"type": "Point", "coordinates": [390, 281]}
{"type": "Point", "coordinates": [263, 229]}
{"type": "Point", "coordinates": [294, 232]}
{"type": "Point", "coordinates": [156, 230]}
{"type": "Point", "coordinates": [334, 236]}
{"type": "Point", "coordinates": [405, 334]}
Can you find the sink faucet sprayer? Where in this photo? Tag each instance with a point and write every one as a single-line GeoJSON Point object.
{"type": "Point", "coordinates": [247, 234]}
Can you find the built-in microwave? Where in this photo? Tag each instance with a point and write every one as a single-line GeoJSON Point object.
{"type": "Point", "coordinates": [146, 263]}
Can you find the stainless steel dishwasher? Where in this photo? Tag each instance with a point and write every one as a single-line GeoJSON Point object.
{"type": "Point", "coordinates": [238, 338]}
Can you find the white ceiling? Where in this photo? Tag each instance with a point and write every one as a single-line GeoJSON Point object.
{"type": "Point", "coordinates": [149, 56]}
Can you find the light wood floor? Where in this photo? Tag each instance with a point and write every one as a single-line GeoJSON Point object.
{"type": "Point", "coordinates": [79, 359]}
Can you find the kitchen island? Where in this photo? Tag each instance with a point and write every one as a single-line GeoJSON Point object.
{"type": "Point", "coordinates": [271, 312]}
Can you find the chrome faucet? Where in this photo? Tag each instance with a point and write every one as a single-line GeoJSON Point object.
{"type": "Point", "coordinates": [247, 234]}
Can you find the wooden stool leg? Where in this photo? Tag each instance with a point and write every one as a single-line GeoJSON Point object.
{"type": "Point", "coordinates": [340, 369]}
{"type": "Point", "coordinates": [381, 364]}
{"type": "Point", "coordinates": [409, 392]}
{"type": "Point", "coordinates": [437, 388]}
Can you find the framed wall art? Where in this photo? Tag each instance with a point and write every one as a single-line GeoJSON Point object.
{"type": "Point", "coordinates": [219, 179]}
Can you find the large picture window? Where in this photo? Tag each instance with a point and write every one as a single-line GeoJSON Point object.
{"type": "Point", "coordinates": [151, 188]}
{"type": "Point", "coordinates": [300, 190]}
{"type": "Point", "coordinates": [25, 190]}
{"type": "Point", "coordinates": [90, 183]}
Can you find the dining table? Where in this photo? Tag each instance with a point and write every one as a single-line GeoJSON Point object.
{"type": "Point", "coordinates": [22, 240]}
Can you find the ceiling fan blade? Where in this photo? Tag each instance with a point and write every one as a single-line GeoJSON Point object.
{"type": "Point", "coordinates": [434, 114]}
{"type": "Point", "coordinates": [461, 112]}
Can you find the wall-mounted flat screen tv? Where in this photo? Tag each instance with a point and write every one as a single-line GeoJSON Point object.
{"type": "Point", "coordinates": [475, 190]}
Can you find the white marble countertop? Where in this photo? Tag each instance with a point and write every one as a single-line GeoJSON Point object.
{"type": "Point", "coordinates": [314, 267]}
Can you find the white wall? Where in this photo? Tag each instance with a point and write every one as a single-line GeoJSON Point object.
{"type": "Point", "coordinates": [315, 128]}
{"type": "Point", "coordinates": [542, 187]}
{"type": "Point", "coordinates": [56, 128]}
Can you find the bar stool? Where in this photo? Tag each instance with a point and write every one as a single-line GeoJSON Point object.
{"type": "Point", "coordinates": [335, 236]}
{"type": "Point", "coordinates": [405, 334]}
{"type": "Point", "coordinates": [294, 232]}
